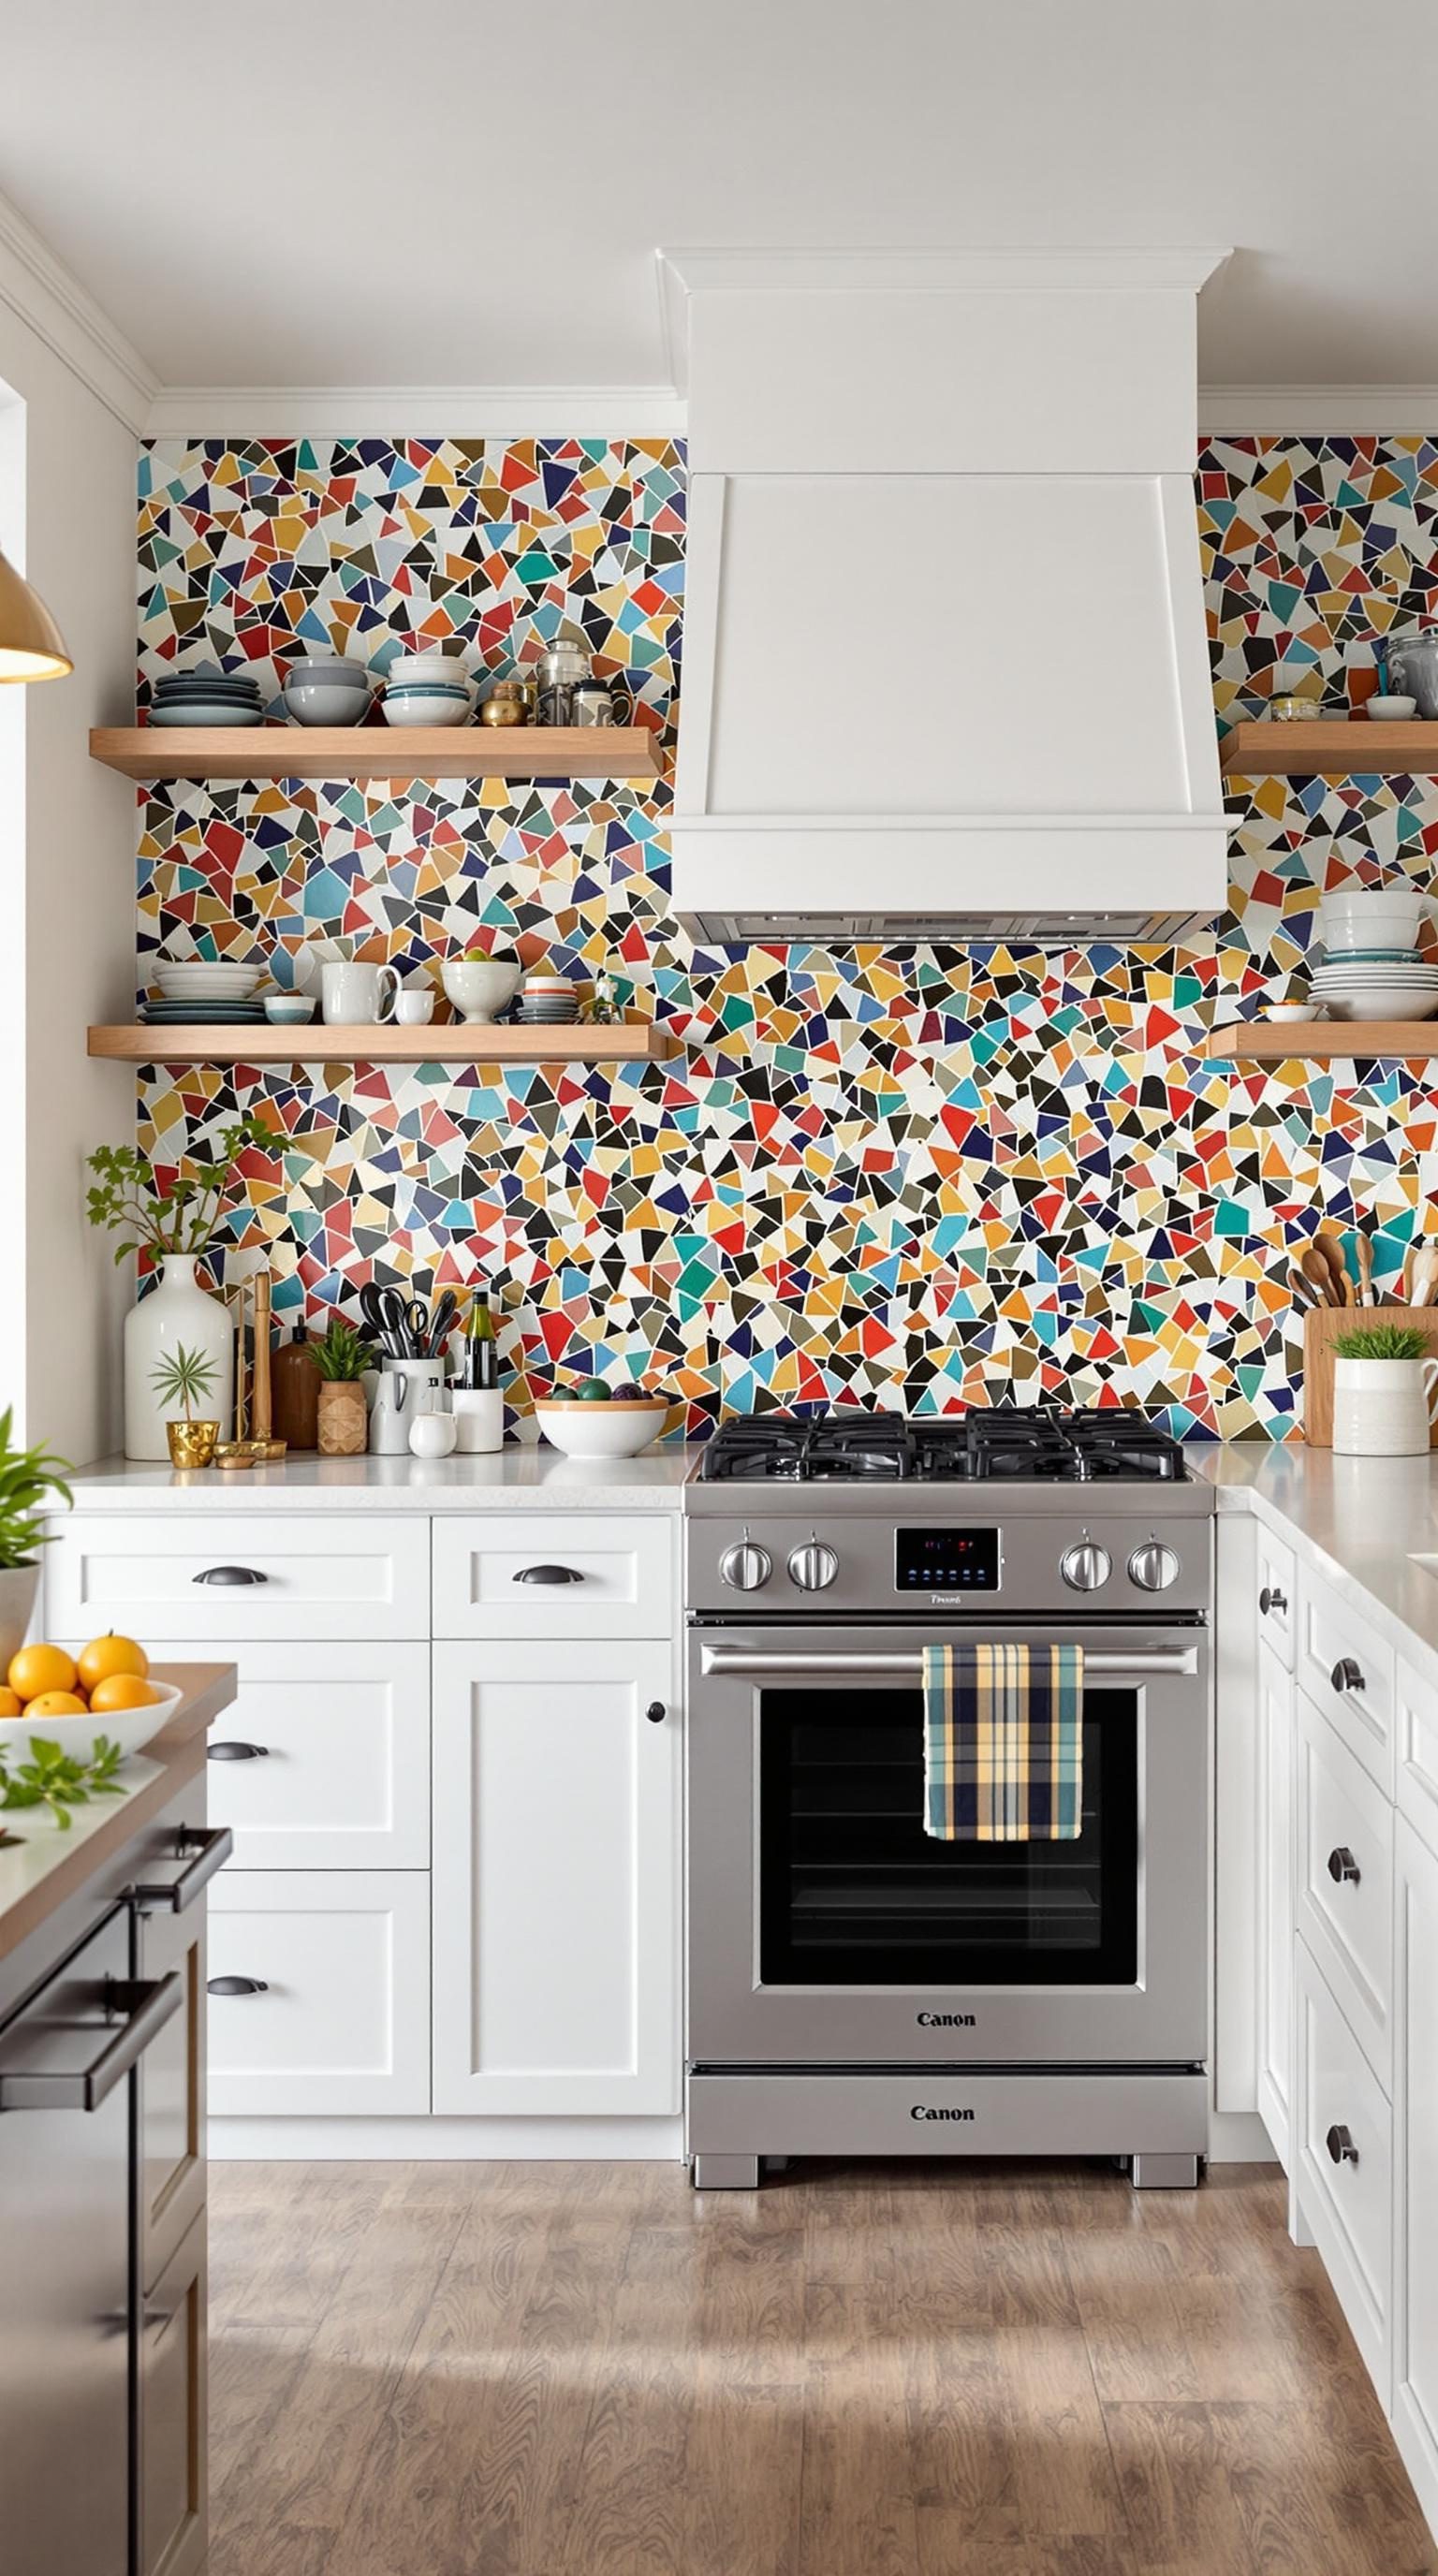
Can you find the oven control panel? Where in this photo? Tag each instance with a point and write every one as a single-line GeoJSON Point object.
{"type": "Point", "coordinates": [947, 1560]}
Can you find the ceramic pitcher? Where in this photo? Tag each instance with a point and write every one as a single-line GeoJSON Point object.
{"type": "Point", "coordinates": [1383, 1408]}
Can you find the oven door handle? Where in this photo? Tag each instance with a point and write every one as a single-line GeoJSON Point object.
{"type": "Point", "coordinates": [1179, 1662]}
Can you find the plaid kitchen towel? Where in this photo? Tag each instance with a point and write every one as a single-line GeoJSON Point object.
{"type": "Point", "coordinates": [1003, 1743]}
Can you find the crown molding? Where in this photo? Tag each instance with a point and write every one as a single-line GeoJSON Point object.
{"type": "Point", "coordinates": [414, 411]}
{"type": "Point", "coordinates": [41, 291]}
{"type": "Point", "coordinates": [1359, 410]}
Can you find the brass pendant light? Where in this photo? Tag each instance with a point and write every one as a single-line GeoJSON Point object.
{"type": "Point", "coordinates": [31, 644]}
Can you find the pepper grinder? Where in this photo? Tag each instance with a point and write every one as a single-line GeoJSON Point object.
{"type": "Point", "coordinates": [262, 1439]}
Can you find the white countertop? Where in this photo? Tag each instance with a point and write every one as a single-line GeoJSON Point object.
{"type": "Point", "coordinates": [1366, 1518]}
{"type": "Point", "coordinates": [515, 1478]}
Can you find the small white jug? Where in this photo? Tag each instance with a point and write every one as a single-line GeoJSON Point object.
{"type": "Point", "coordinates": [1383, 1408]}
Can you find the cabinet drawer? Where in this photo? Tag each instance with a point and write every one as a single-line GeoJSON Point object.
{"type": "Point", "coordinates": [339, 1774]}
{"type": "Point", "coordinates": [1343, 2130]}
{"type": "Point", "coordinates": [1348, 1670]}
{"type": "Point", "coordinates": [580, 1575]}
{"type": "Point", "coordinates": [1345, 1881]}
{"type": "Point", "coordinates": [1276, 1580]}
{"type": "Point", "coordinates": [341, 2019]}
{"type": "Point", "coordinates": [291, 1575]}
{"type": "Point", "coordinates": [1416, 1749]}
{"type": "Point", "coordinates": [170, 2097]}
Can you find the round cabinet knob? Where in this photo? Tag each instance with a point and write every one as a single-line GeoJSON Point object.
{"type": "Point", "coordinates": [813, 1566]}
{"type": "Point", "coordinates": [747, 1567]}
{"type": "Point", "coordinates": [1087, 1567]}
{"type": "Point", "coordinates": [1153, 1567]}
{"type": "Point", "coordinates": [1339, 2143]}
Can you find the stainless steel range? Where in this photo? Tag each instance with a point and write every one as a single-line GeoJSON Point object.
{"type": "Point", "coordinates": [854, 1986]}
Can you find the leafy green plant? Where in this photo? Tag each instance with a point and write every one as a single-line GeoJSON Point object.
{"type": "Point", "coordinates": [26, 1477]}
{"type": "Point", "coordinates": [342, 1354]}
{"type": "Point", "coordinates": [182, 1214]}
{"type": "Point", "coordinates": [60, 1780]}
{"type": "Point", "coordinates": [1381, 1342]}
{"type": "Point", "coordinates": [183, 1376]}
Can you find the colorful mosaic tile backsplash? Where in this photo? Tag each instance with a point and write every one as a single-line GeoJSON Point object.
{"type": "Point", "coordinates": [915, 1180]}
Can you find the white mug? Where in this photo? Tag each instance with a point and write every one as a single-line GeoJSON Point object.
{"type": "Point", "coordinates": [350, 994]}
{"type": "Point", "coordinates": [414, 1010]}
{"type": "Point", "coordinates": [1383, 1408]}
{"type": "Point", "coordinates": [432, 1435]}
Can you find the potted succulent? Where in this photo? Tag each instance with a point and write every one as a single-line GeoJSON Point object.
{"type": "Point", "coordinates": [1385, 1391]}
{"type": "Point", "coordinates": [185, 1377]}
{"type": "Point", "coordinates": [342, 1358]}
{"type": "Point", "coordinates": [26, 1477]}
{"type": "Point", "coordinates": [172, 1221]}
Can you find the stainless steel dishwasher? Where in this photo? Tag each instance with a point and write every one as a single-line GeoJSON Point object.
{"type": "Point", "coordinates": [67, 2304]}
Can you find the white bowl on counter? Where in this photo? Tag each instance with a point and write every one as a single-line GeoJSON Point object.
{"type": "Point", "coordinates": [130, 1728]}
{"type": "Point", "coordinates": [480, 987]}
{"type": "Point", "coordinates": [618, 1428]}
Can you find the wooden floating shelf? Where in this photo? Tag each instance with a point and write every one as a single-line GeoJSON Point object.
{"type": "Point", "coordinates": [1276, 1041]}
{"type": "Point", "coordinates": [378, 751]}
{"type": "Point", "coordinates": [1330, 747]}
{"type": "Point", "coordinates": [450, 1042]}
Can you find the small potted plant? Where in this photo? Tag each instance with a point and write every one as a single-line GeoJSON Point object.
{"type": "Point", "coordinates": [187, 1377]}
{"type": "Point", "coordinates": [26, 1477]}
{"type": "Point", "coordinates": [172, 1221]}
{"type": "Point", "coordinates": [1385, 1390]}
{"type": "Point", "coordinates": [342, 1358]}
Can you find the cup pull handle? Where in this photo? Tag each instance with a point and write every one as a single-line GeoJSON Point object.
{"type": "Point", "coordinates": [236, 1986]}
{"type": "Point", "coordinates": [549, 1574]}
{"type": "Point", "coordinates": [235, 1752]}
{"type": "Point", "coordinates": [231, 1574]}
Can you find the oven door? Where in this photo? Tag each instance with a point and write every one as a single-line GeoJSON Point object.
{"type": "Point", "coordinates": [827, 1928]}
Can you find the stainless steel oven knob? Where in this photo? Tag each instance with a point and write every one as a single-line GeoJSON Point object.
{"type": "Point", "coordinates": [747, 1567]}
{"type": "Point", "coordinates": [1087, 1567]}
{"type": "Point", "coordinates": [813, 1566]}
{"type": "Point", "coordinates": [1153, 1567]}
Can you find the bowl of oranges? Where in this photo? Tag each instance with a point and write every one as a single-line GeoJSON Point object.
{"type": "Point", "coordinates": [70, 1699]}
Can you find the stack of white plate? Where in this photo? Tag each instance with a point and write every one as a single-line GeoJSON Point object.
{"type": "Point", "coordinates": [428, 689]}
{"type": "Point", "coordinates": [1377, 984]}
{"type": "Point", "coordinates": [548, 1001]}
{"type": "Point", "coordinates": [200, 982]}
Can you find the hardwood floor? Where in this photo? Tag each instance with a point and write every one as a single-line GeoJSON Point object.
{"type": "Point", "coordinates": [867, 2370]}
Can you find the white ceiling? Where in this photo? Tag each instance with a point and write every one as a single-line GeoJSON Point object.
{"type": "Point", "coordinates": [352, 192]}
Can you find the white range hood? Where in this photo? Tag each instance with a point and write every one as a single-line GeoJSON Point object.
{"type": "Point", "coordinates": [945, 668]}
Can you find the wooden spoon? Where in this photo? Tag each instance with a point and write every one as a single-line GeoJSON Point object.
{"type": "Point", "coordinates": [1329, 1249]}
{"type": "Point", "coordinates": [1316, 1270]}
{"type": "Point", "coordinates": [1425, 1274]}
{"type": "Point", "coordinates": [1306, 1292]}
{"type": "Point", "coordinates": [1364, 1250]}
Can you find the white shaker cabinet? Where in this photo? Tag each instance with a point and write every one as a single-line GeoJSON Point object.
{"type": "Point", "coordinates": [1415, 2143]}
{"type": "Point", "coordinates": [556, 1870]}
{"type": "Point", "coordinates": [1275, 1766]}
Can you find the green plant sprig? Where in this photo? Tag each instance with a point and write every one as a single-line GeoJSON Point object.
{"type": "Point", "coordinates": [182, 1214]}
{"type": "Point", "coordinates": [342, 1355]}
{"type": "Point", "coordinates": [1381, 1342]}
{"type": "Point", "coordinates": [26, 1477]}
{"type": "Point", "coordinates": [60, 1781]}
{"type": "Point", "coordinates": [183, 1376]}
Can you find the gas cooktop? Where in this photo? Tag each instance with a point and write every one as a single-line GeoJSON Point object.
{"type": "Point", "coordinates": [1007, 1444]}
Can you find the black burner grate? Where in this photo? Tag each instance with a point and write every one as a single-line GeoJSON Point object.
{"type": "Point", "coordinates": [1005, 1445]}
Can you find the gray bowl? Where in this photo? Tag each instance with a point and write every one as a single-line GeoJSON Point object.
{"type": "Point", "coordinates": [326, 702]}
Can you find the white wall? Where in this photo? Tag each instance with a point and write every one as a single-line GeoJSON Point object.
{"type": "Point", "coordinates": [67, 937]}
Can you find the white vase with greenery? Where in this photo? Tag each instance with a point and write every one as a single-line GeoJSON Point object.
{"type": "Point", "coordinates": [174, 1221]}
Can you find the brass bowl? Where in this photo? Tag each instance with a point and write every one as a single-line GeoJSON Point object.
{"type": "Point", "coordinates": [192, 1444]}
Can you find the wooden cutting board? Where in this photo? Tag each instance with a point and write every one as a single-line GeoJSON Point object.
{"type": "Point", "coordinates": [1322, 1326]}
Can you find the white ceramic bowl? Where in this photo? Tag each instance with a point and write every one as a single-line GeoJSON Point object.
{"type": "Point", "coordinates": [479, 987]}
{"type": "Point", "coordinates": [289, 1010]}
{"type": "Point", "coordinates": [326, 702]}
{"type": "Point", "coordinates": [1380, 1006]}
{"type": "Point", "coordinates": [218, 983]}
{"type": "Point", "coordinates": [618, 1429]}
{"type": "Point", "coordinates": [1392, 710]}
{"type": "Point", "coordinates": [413, 709]}
{"type": "Point", "coordinates": [1289, 1011]}
{"type": "Point", "coordinates": [1371, 917]}
{"type": "Point", "coordinates": [130, 1728]}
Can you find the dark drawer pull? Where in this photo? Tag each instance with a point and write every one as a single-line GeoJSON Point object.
{"type": "Point", "coordinates": [204, 1849]}
{"type": "Point", "coordinates": [1339, 2143]}
{"type": "Point", "coordinates": [236, 1752]}
{"type": "Point", "coordinates": [549, 1574]}
{"type": "Point", "coordinates": [237, 1986]}
{"type": "Point", "coordinates": [147, 2004]}
{"type": "Point", "coordinates": [1347, 1676]}
{"type": "Point", "coordinates": [231, 1574]}
{"type": "Point", "coordinates": [1342, 1865]}
{"type": "Point", "coordinates": [1269, 1601]}
{"type": "Point", "coordinates": [656, 1712]}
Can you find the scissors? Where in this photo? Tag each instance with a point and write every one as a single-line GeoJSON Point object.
{"type": "Point", "coordinates": [386, 1313]}
{"type": "Point", "coordinates": [443, 1317]}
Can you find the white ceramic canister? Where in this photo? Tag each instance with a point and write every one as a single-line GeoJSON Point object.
{"type": "Point", "coordinates": [1383, 1408]}
{"type": "Point", "coordinates": [479, 1418]}
{"type": "Point", "coordinates": [176, 1311]}
{"type": "Point", "coordinates": [406, 1388]}
{"type": "Point", "coordinates": [433, 1435]}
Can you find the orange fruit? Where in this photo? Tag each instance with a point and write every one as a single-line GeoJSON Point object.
{"type": "Point", "coordinates": [106, 1656]}
{"type": "Point", "coordinates": [41, 1668]}
{"type": "Point", "coordinates": [56, 1703]}
{"type": "Point", "coordinates": [10, 1704]}
{"type": "Point", "coordinates": [122, 1690]}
